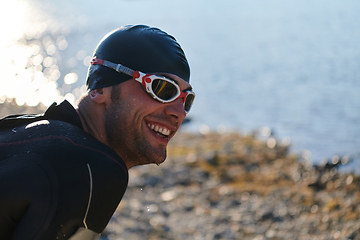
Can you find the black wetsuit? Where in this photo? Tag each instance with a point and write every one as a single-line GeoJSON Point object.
{"type": "Point", "coordinates": [56, 181]}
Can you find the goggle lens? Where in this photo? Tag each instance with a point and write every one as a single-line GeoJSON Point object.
{"type": "Point", "coordinates": [189, 101]}
{"type": "Point", "coordinates": [164, 89]}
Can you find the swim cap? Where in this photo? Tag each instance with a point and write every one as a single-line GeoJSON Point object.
{"type": "Point", "coordinates": [141, 48]}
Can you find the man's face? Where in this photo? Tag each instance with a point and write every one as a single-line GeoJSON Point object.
{"type": "Point", "coordinates": [139, 127]}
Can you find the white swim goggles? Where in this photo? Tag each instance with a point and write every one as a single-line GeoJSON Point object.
{"type": "Point", "coordinates": [160, 88]}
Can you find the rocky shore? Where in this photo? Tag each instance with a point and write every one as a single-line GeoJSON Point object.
{"type": "Point", "coordinates": [229, 186]}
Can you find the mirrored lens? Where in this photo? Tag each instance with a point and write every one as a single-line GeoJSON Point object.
{"type": "Point", "coordinates": [188, 102]}
{"type": "Point", "coordinates": [164, 89]}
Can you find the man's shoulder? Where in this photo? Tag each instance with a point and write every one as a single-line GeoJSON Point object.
{"type": "Point", "coordinates": [57, 138]}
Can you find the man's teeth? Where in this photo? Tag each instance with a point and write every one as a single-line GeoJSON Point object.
{"type": "Point", "coordinates": [158, 129]}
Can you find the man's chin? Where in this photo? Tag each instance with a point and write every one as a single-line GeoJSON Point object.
{"type": "Point", "coordinates": [161, 158]}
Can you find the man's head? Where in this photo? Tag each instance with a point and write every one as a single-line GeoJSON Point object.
{"type": "Point", "coordinates": [136, 125]}
{"type": "Point", "coordinates": [141, 48]}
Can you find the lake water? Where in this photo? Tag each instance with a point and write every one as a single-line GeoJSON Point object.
{"type": "Point", "coordinates": [290, 66]}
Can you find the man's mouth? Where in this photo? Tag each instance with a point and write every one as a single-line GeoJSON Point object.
{"type": "Point", "coordinates": [161, 131]}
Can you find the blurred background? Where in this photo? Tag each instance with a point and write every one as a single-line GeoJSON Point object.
{"type": "Point", "coordinates": [288, 69]}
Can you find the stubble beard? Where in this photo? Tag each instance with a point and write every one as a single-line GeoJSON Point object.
{"type": "Point", "coordinates": [129, 143]}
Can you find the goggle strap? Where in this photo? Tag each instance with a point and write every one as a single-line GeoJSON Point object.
{"type": "Point", "coordinates": [117, 67]}
{"type": "Point", "coordinates": [123, 69]}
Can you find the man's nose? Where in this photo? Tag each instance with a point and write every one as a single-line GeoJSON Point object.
{"type": "Point", "coordinates": [176, 109]}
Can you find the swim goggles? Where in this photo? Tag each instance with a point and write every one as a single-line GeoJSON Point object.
{"type": "Point", "coordinates": [160, 88]}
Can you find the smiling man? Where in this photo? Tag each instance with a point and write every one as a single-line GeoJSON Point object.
{"type": "Point", "coordinates": [62, 174]}
{"type": "Point", "coordinates": [128, 108]}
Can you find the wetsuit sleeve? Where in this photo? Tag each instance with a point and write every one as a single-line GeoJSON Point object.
{"type": "Point", "coordinates": [27, 194]}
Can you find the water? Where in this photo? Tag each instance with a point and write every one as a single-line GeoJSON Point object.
{"type": "Point", "coordinates": [291, 66]}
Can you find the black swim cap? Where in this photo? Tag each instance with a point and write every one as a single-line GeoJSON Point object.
{"type": "Point", "coordinates": [141, 48]}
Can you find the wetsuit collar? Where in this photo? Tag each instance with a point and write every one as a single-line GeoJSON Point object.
{"type": "Point", "coordinates": [63, 112]}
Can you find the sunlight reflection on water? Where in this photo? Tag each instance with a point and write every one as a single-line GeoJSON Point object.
{"type": "Point", "coordinates": [32, 52]}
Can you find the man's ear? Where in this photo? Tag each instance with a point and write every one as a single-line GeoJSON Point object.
{"type": "Point", "coordinates": [101, 95]}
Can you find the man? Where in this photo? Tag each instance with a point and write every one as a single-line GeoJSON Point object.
{"type": "Point", "coordinates": [62, 174]}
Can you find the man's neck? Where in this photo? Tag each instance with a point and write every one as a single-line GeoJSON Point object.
{"type": "Point", "coordinates": [92, 120]}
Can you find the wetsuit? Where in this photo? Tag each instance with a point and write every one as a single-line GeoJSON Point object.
{"type": "Point", "coordinates": [56, 181]}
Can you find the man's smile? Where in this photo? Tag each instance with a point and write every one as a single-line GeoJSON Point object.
{"type": "Point", "coordinates": [160, 130]}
